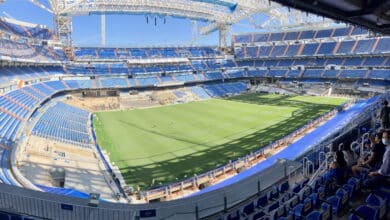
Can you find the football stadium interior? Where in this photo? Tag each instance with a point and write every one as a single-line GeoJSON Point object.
{"type": "Point", "coordinates": [250, 127]}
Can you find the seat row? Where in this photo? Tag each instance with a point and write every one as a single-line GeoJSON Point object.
{"type": "Point", "coordinates": [352, 47]}
{"type": "Point", "coordinates": [223, 89]}
{"type": "Point", "coordinates": [320, 200]}
{"type": "Point", "coordinates": [145, 53]}
{"type": "Point", "coordinates": [64, 123]}
{"type": "Point", "coordinates": [297, 35]}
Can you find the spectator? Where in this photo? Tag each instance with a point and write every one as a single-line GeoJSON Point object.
{"type": "Point", "coordinates": [375, 159]}
{"type": "Point", "coordinates": [337, 169]}
{"type": "Point", "coordinates": [381, 177]}
{"type": "Point", "coordinates": [385, 115]}
{"type": "Point", "coordinates": [349, 156]}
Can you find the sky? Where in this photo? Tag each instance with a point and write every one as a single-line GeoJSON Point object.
{"type": "Point", "coordinates": [121, 30]}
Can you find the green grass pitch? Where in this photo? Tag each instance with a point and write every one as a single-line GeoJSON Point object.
{"type": "Point", "coordinates": [165, 144]}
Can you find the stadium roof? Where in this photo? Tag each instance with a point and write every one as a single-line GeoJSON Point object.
{"type": "Point", "coordinates": [219, 11]}
{"type": "Point", "coordinates": [372, 14]}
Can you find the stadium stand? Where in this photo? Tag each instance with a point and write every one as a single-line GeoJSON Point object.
{"type": "Point", "coordinates": [347, 53]}
{"type": "Point", "coordinates": [113, 82]}
{"type": "Point", "coordinates": [200, 92]}
{"type": "Point", "coordinates": [219, 90]}
{"type": "Point", "coordinates": [64, 123]}
{"type": "Point", "coordinates": [317, 197]}
{"type": "Point", "coordinates": [24, 29]}
{"type": "Point", "coordinates": [22, 42]}
{"type": "Point", "coordinates": [145, 53]}
{"type": "Point", "coordinates": [185, 77]}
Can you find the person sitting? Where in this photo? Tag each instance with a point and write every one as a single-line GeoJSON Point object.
{"type": "Point", "coordinates": [337, 169]}
{"type": "Point", "coordinates": [349, 156]}
{"type": "Point", "coordinates": [374, 161]}
{"type": "Point", "coordinates": [381, 177]}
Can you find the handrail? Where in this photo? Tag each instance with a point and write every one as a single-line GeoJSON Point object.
{"type": "Point", "coordinates": [364, 137]}
{"type": "Point", "coordinates": [363, 116]}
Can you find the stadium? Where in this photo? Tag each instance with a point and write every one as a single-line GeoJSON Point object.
{"type": "Point", "coordinates": [248, 127]}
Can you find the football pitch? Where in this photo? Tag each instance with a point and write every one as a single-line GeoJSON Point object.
{"type": "Point", "coordinates": [164, 144]}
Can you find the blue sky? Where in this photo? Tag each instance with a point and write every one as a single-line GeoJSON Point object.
{"type": "Point", "coordinates": [121, 30]}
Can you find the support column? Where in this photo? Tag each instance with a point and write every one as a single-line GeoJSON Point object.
{"type": "Point", "coordinates": [222, 36]}
{"type": "Point", "coordinates": [63, 25]}
{"type": "Point", "coordinates": [103, 30]}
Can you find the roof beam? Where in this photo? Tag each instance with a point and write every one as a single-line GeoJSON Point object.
{"type": "Point", "coordinates": [317, 7]}
{"type": "Point", "coordinates": [368, 9]}
{"type": "Point", "coordinates": [181, 8]}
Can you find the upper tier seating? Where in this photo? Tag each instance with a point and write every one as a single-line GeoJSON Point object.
{"type": "Point", "coordinates": [25, 42]}
{"type": "Point", "coordinates": [20, 50]}
{"type": "Point", "coordinates": [296, 35]}
{"type": "Point", "coordinates": [365, 46]}
{"type": "Point", "coordinates": [25, 29]}
{"type": "Point", "coordinates": [380, 74]}
{"type": "Point", "coordinates": [145, 53]}
{"type": "Point", "coordinates": [8, 74]}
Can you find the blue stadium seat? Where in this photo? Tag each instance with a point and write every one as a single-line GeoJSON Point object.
{"type": "Point", "coordinates": [296, 188]}
{"type": "Point", "coordinates": [336, 203]}
{"type": "Point", "coordinates": [384, 193]}
{"type": "Point", "coordinates": [273, 193]}
{"type": "Point", "coordinates": [291, 201]}
{"type": "Point", "coordinates": [278, 212]}
{"type": "Point", "coordinates": [315, 199]}
{"type": "Point", "coordinates": [262, 201]}
{"type": "Point", "coordinates": [350, 190]}
{"type": "Point", "coordinates": [258, 215]}
{"type": "Point", "coordinates": [364, 212]}
{"type": "Point", "coordinates": [249, 208]}
{"type": "Point", "coordinates": [378, 203]}
{"type": "Point", "coordinates": [303, 208]}
{"type": "Point", "coordinates": [234, 216]}
{"type": "Point", "coordinates": [314, 215]}
{"type": "Point", "coordinates": [284, 187]}
{"type": "Point", "coordinates": [355, 182]}
{"type": "Point", "coordinates": [273, 206]}
{"type": "Point", "coordinates": [343, 194]}
{"type": "Point", "coordinates": [304, 192]}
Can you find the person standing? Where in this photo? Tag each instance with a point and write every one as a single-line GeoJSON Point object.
{"type": "Point", "coordinates": [385, 115]}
